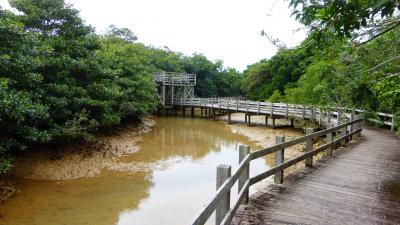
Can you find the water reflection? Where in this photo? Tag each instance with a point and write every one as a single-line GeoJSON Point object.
{"type": "Point", "coordinates": [180, 191]}
{"type": "Point", "coordinates": [188, 151]}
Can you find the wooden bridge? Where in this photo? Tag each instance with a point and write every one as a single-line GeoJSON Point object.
{"type": "Point", "coordinates": [213, 107]}
{"type": "Point", "coordinates": [360, 186]}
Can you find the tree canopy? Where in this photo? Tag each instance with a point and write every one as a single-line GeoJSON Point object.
{"type": "Point", "coordinates": [348, 18]}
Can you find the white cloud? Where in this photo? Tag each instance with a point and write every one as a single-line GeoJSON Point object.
{"type": "Point", "coordinates": [221, 29]}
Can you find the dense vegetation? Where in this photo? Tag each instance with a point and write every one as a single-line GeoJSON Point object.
{"type": "Point", "coordinates": [59, 81]}
{"type": "Point", "coordinates": [351, 58]}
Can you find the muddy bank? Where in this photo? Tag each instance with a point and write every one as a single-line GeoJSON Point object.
{"type": "Point", "coordinates": [77, 161]}
{"type": "Point", "coordinates": [265, 137]}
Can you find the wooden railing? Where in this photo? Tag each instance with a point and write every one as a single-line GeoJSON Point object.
{"type": "Point", "coordinates": [321, 115]}
{"type": "Point", "coordinates": [170, 78]}
{"type": "Point", "coordinates": [220, 202]}
{"type": "Point", "coordinates": [384, 118]}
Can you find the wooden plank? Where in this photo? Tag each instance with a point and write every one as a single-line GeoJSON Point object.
{"type": "Point", "coordinates": [344, 190]}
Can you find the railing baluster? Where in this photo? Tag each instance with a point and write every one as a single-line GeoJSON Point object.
{"type": "Point", "coordinates": [309, 147]}
{"type": "Point", "coordinates": [329, 139]}
{"type": "Point", "coordinates": [272, 109]}
{"type": "Point", "coordinates": [244, 150]}
{"type": "Point", "coordinates": [279, 159]}
{"type": "Point", "coordinates": [343, 132]}
{"type": "Point", "coordinates": [223, 173]}
{"type": "Point", "coordinates": [287, 111]}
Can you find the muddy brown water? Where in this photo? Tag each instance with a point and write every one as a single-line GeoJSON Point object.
{"type": "Point", "coordinates": [174, 177]}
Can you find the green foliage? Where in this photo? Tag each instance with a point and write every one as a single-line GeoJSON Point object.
{"type": "Point", "coordinates": [122, 33]}
{"type": "Point", "coordinates": [283, 69]}
{"type": "Point", "coordinates": [212, 79]}
{"type": "Point", "coordinates": [58, 81]}
{"type": "Point", "coordinates": [276, 97]}
{"type": "Point", "coordinates": [343, 17]}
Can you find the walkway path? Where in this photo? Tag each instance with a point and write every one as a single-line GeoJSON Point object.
{"type": "Point", "coordinates": [360, 186]}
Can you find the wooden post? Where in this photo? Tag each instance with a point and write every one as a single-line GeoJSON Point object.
{"type": "Point", "coordinates": [312, 113]}
{"type": "Point", "coordinates": [343, 132]}
{"type": "Point", "coordinates": [304, 112]}
{"type": "Point", "coordinates": [358, 125]}
{"type": "Point", "coordinates": [258, 107]}
{"type": "Point", "coordinates": [249, 120]}
{"type": "Point", "coordinates": [392, 125]}
{"type": "Point", "coordinates": [245, 117]}
{"type": "Point", "coordinates": [183, 111]}
{"type": "Point", "coordinates": [320, 117]}
{"type": "Point", "coordinates": [244, 150]}
{"type": "Point", "coordinates": [273, 123]}
{"type": "Point", "coordinates": [291, 122]}
{"type": "Point", "coordinates": [279, 158]}
{"type": "Point", "coordinates": [309, 147]}
{"type": "Point", "coordinates": [229, 117]}
{"type": "Point", "coordinates": [192, 111]}
{"type": "Point", "coordinates": [163, 94]}
{"type": "Point", "coordinates": [228, 110]}
{"type": "Point", "coordinates": [329, 116]}
{"type": "Point", "coordinates": [201, 111]}
{"type": "Point", "coordinates": [352, 126]}
{"type": "Point", "coordinates": [172, 94]}
{"type": "Point", "coordinates": [223, 173]}
{"type": "Point", "coordinates": [266, 120]}
{"type": "Point", "coordinates": [212, 104]}
{"type": "Point", "coordinates": [272, 109]}
{"type": "Point", "coordinates": [329, 139]}
{"type": "Point", "coordinates": [287, 111]}
{"type": "Point", "coordinates": [237, 105]}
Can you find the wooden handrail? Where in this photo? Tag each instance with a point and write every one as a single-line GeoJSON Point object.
{"type": "Point", "coordinates": [202, 217]}
{"type": "Point", "coordinates": [281, 109]}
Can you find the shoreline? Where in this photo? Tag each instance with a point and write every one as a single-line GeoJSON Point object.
{"type": "Point", "coordinates": [82, 161]}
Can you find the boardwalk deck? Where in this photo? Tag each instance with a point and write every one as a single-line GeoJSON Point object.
{"type": "Point", "coordinates": [359, 185]}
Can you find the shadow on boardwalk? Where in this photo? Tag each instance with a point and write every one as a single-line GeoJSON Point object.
{"type": "Point", "coordinates": [360, 184]}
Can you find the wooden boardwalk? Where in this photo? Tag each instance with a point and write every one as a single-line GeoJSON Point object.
{"type": "Point", "coordinates": [359, 184]}
{"type": "Point", "coordinates": [213, 107]}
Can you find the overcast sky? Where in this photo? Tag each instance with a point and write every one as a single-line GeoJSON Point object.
{"type": "Point", "coordinates": [220, 29]}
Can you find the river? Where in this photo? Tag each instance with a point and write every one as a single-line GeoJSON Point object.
{"type": "Point", "coordinates": [173, 179]}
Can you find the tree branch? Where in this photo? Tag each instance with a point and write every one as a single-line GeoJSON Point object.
{"type": "Point", "coordinates": [390, 76]}
{"type": "Point", "coordinates": [397, 23]}
{"type": "Point", "coordinates": [382, 63]}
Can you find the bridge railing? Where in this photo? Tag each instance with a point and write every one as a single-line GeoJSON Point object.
{"type": "Point", "coordinates": [172, 78]}
{"type": "Point", "coordinates": [272, 109]}
{"type": "Point", "coordinates": [220, 202]}
{"type": "Point", "coordinates": [323, 116]}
